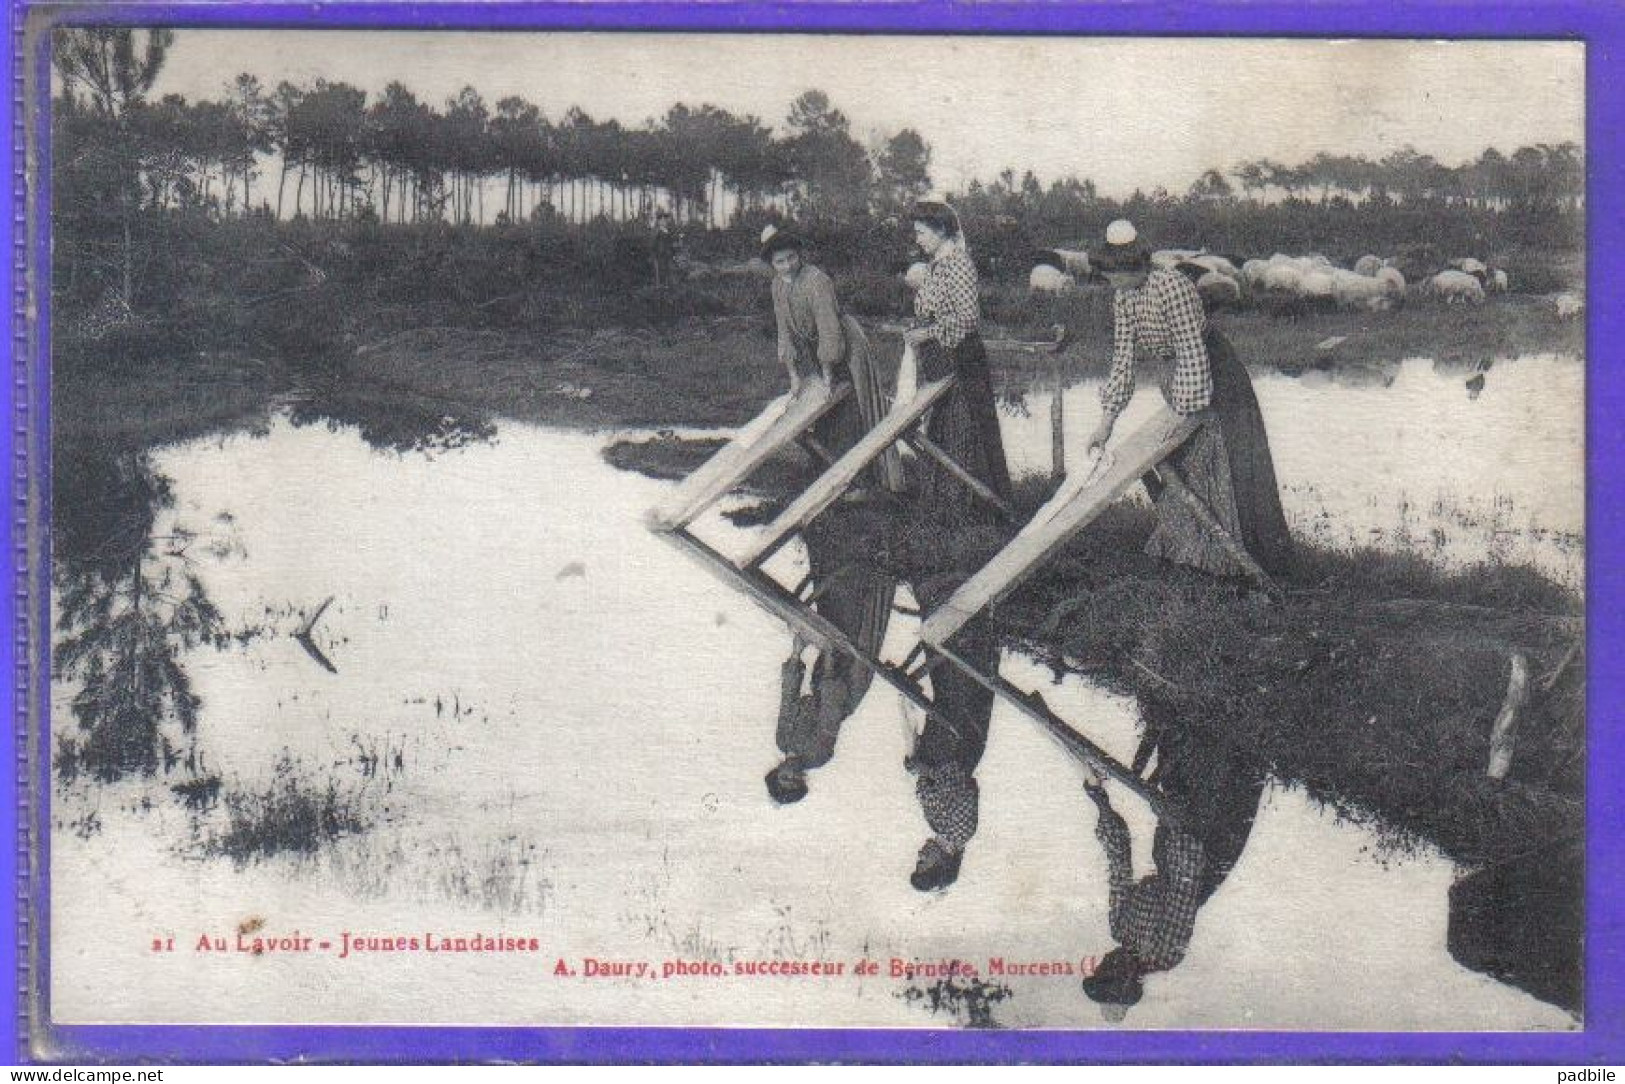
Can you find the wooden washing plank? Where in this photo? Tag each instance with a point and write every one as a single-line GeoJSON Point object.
{"type": "Point", "coordinates": [814, 628]}
{"type": "Point", "coordinates": [1070, 511]}
{"type": "Point", "coordinates": [786, 418]}
{"type": "Point", "coordinates": [844, 471]}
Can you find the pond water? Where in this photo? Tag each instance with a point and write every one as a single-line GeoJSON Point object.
{"type": "Point", "coordinates": [556, 727]}
{"type": "Point", "coordinates": [1423, 463]}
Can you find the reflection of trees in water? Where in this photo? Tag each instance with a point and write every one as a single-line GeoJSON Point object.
{"type": "Point", "coordinates": [130, 602]}
{"type": "Point", "coordinates": [398, 420]}
{"type": "Point", "coordinates": [130, 605]}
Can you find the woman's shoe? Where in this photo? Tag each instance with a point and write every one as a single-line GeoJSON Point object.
{"type": "Point", "coordinates": [787, 783]}
{"type": "Point", "coordinates": [937, 868]}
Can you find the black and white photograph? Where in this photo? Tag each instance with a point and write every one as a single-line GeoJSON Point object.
{"type": "Point", "coordinates": [814, 530]}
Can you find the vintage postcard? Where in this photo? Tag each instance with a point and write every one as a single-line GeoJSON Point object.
{"type": "Point", "coordinates": [782, 530]}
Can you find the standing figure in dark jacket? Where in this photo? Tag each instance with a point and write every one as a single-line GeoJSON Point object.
{"type": "Point", "coordinates": [946, 337]}
{"type": "Point", "coordinates": [663, 248]}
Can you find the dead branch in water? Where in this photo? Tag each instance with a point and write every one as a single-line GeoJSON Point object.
{"type": "Point", "coordinates": [305, 641]}
{"type": "Point", "coordinates": [1154, 675]}
{"type": "Point", "coordinates": [1550, 680]}
{"type": "Point", "coordinates": [1505, 731]}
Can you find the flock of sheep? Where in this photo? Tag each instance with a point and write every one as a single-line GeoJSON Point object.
{"type": "Point", "coordinates": [1373, 284]}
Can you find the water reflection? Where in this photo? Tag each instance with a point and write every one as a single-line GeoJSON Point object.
{"type": "Point", "coordinates": [130, 604]}
{"type": "Point", "coordinates": [403, 421]}
{"type": "Point", "coordinates": [1215, 787]}
{"type": "Point", "coordinates": [453, 627]}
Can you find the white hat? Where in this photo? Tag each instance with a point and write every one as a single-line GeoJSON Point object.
{"type": "Point", "coordinates": [1121, 232]}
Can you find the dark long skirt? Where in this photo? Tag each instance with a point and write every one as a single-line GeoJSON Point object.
{"type": "Point", "coordinates": [965, 424]}
{"type": "Point", "coordinates": [1227, 465]}
{"type": "Point", "coordinates": [845, 424]}
{"type": "Point", "coordinates": [1214, 782]}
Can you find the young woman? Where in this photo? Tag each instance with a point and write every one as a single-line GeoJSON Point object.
{"type": "Point", "coordinates": [814, 340]}
{"type": "Point", "coordinates": [946, 337]}
{"type": "Point", "coordinates": [1157, 314]}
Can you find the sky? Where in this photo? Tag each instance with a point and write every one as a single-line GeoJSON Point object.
{"type": "Point", "coordinates": [1124, 112]}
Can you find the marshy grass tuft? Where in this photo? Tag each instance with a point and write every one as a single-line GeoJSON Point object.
{"type": "Point", "coordinates": [294, 813]}
{"type": "Point", "coordinates": [504, 875]}
{"type": "Point", "coordinates": [969, 1001]}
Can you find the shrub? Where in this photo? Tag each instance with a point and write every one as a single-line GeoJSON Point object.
{"type": "Point", "coordinates": [293, 813]}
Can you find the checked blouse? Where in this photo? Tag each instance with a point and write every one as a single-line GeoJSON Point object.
{"type": "Point", "coordinates": [1163, 319]}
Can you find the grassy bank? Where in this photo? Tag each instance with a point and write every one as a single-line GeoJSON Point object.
{"type": "Point", "coordinates": [721, 371]}
{"type": "Point", "coordinates": [699, 372]}
{"type": "Point", "coordinates": [561, 326]}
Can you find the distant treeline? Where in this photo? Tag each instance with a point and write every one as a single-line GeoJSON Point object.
{"type": "Point", "coordinates": [326, 152]}
{"type": "Point", "coordinates": [337, 155]}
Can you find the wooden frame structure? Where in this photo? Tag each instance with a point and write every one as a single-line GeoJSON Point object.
{"type": "Point", "coordinates": [1072, 509]}
{"type": "Point", "coordinates": [786, 419]}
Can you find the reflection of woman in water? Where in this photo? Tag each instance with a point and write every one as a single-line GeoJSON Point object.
{"type": "Point", "coordinates": [816, 341]}
{"type": "Point", "coordinates": [1152, 919]}
{"type": "Point", "coordinates": [1226, 464]}
{"type": "Point", "coordinates": [946, 337]}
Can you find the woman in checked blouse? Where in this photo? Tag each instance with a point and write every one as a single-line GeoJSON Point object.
{"type": "Point", "coordinates": [1226, 464]}
{"type": "Point", "coordinates": [946, 336]}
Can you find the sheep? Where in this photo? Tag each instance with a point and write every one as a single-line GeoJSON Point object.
{"type": "Point", "coordinates": [1358, 292]}
{"type": "Point", "coordinates": [1283, 277]}
{"type": "Point", "coordinates": [1047, 279]}
{"type": "Point", "coordinates": [1217, 264]}
{"type": "Point", "coordinates": [1568, 305]}
{"type": "Point", "coordinates": [1218, 290]}
{"type": "Point", "coordinates": [1317, 286]}
{"type": "Point", "coordinates": [915, 275]}
{"type": "Point", "coordinates": [1169, 257]}
{"type": "Point", "coordinates": [1470, 266]}
{"type": "Point", "coordinates": [1304, 265]}
{"type": "Point", "coordinates": [1393, 279]}
{"type": "Point", "coordinates": [1075, 263]}
{"type": "Point", "coordinates": [1456, 288]}
{"type": "Point", "coordinates": [1368, 266]}
{"type": "Point", "coordinates": [1253, 271]}
{"type": "Point", "coordinates": [1499, 281]}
